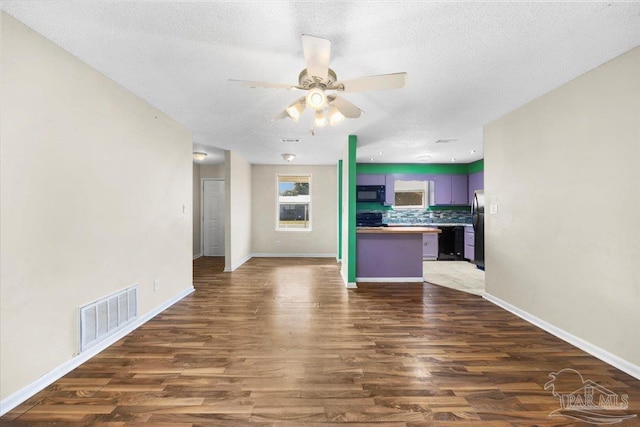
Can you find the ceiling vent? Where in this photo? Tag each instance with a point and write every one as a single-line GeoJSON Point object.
{"type": "Point", "coordinates": [290, 140]}
{"type": "Point", "coordinates": [446, 141]}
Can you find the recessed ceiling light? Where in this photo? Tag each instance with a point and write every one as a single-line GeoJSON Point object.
{"type": "Point", "coordinates": [380, 152]}
{"type": "Point", "coordinates": [453, 160]}
{"type": "Point", "coordinates": [371, 159]}
{"type": "Point", "coordinates": [473, 151]}
{"type": "Point", "coordinates": [199, 155]}
{"type": "Point", "coordinates": [288, 157]}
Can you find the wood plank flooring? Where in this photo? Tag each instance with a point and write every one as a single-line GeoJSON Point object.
{"type": "Point", "coordinates": [282, 342]}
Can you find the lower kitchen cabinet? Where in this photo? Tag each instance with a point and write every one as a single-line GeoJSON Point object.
{"type": "Point", "coordinates": [429, 246]}
{"type": "Point", "coordinates": [469, 243]}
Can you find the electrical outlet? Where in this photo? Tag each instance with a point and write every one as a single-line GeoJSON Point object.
{"type": "Point", "coordinates": [493, 208]}
{"type": "Point", "coordinates": [156, 285]}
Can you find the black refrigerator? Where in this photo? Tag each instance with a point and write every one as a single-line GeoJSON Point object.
{"type": "Point", "coordinates": [478, 227]}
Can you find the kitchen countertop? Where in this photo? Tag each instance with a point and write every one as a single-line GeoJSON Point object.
{"type": "Point", "coordinates": [398, 230]}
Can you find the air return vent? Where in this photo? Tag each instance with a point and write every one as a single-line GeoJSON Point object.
{"type": "Point", "coordinates": [446, 141]}
{"type": "Point", "coordinates": [104, 317]}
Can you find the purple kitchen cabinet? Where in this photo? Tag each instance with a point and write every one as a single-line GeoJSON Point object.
{"type": "Point", "coordinates": [459, 190]}
{"type": "Point", "coordinates": [429, 246]}
{"type": "Point", "coordinates": [450, 190]}
{"type": "Point", "coordinates": [469, 243]}
{"type": "Point", "coordinates": [442, 191]}
{"type": "Point", "coordinates": [390, 192]}
{"type": "Point", "coordinates": [370, 179]}
{"type": "Point", "coordinates": [476, 182]}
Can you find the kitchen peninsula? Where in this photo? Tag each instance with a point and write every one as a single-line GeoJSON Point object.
{"type": "Point", "coordinates": [390, 253]}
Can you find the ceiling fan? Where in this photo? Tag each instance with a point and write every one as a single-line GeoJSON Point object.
{"type": "Point", "coordinates": [317, 79]}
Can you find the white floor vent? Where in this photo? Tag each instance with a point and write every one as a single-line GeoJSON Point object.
{"type": "Point", "coordinates": [104, 317]}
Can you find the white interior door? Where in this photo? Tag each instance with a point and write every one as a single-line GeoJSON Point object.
{"type": "Point", "coordinates": [213, 218]}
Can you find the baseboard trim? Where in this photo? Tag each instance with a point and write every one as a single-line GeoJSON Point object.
{"type": "Point", "coordinates": [197, 256]}
{"type": "Point", "coordinates": [55, 374]}
{"type": "Point", "coordinates": [345, 280]}
{"type": "Point", "coordinates": [390, 279]}
{"type": "Point", "coordinates": [237, 264]}
{"type": "Point", "coordinates": [291, 255]}
{"type": "Point", "coordinates": [594, 350]}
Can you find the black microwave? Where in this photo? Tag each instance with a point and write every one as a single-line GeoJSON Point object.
{"type": "Point", "coordinates": [370, 193]}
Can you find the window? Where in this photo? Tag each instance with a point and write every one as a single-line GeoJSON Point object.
{"type": "Point", "coordinates": [411, 195]}
{"type": "Point", "coordinates": [294, 203]}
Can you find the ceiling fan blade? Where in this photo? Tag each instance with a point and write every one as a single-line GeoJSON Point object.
{"type": "Point", "coordinates": [280, 116]}
{"type": "Point", "coordinates": [262, 85]}
{"type": "Point", "coordinates": [345, 107]}
{"type": "Point", "coordinates": [384, 81]}
{"type": "Point", "coordinates": [317, 52]}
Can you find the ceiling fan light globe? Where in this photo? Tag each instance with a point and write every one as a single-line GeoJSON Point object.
{"type": "Point", "coordinates": [320, 119]}
{"type": "Point", "coordinates": [316, 98]}
{"type": "Point", "coordinates": [295, 110]}
{"type": "Point", "coordinates": [335, 116]}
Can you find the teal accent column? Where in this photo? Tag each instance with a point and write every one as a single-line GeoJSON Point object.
{"type": "Point", "coordinates": [353, 141]}
{"type": "Point", "coordinates": [339, 210]}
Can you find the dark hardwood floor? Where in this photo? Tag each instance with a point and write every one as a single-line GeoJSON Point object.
{"type": "Point", "coordinates": [282, 342]}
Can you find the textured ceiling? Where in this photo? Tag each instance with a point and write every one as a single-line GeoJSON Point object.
{"type": "Point", "coordinates": [467, 64]}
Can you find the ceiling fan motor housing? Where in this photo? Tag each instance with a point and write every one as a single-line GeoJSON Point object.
{"type": "Point", "coordinates": [307, 81]}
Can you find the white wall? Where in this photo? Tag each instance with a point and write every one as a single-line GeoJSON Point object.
{"type": "Point", "coordinates": [94, 182]}
{"type": "Point", "coordinates": [565, 243]}
{"type": "Point", "coordinates": [238, 214]}
{"type": "Point", "coordinates": [321, 240]}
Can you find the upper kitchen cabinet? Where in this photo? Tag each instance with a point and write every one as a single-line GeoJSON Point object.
{"type": "Point", "coordinates": [390, 190]}
{"type": "Point", "coordinates": [476, 182]}
{"type": "Point", "coordinates": [370, 179]}
{"type": "Point", "coordinates": [451, 190]}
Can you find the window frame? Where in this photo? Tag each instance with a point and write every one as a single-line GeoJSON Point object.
{"type": "Point", "coordinates": [309, 227]}
{"type": "Point", "coordinates": [415, 186]}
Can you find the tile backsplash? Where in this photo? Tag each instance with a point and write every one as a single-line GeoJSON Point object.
{"type": "Point", "coordinates": [423, 216]}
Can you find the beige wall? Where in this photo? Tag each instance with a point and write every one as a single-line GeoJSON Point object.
{"type": "Point", "coordinates": [95, 184]}
{"type": "Point", "coordinates": [197, 189]}
{"type": "Point", "coordinates": [321, 241]}
{"type": "Point", "coordinates": [212, 171]}
{"type": "Point", "coordinates": [565, 243]}
{"type": "Point", "coordinates": [237, 192]}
